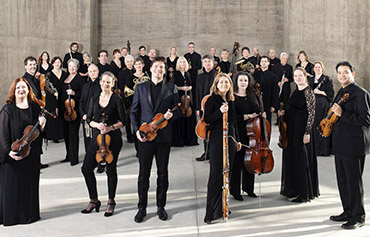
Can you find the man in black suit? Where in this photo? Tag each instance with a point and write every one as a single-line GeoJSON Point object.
{"type": "Point", "coordinates": [269, 87]}
{"type": "Point", "coordinates": [74, 53]}
{"type": "Point", "coordinates": [103, 64]}
{"type": "Point", "coordinates": [350, 138]}
{"type": "Point", "coordinates": [195, 63]}
{"type": "Point", "coordinates": [147, 62]}
{"type": "Point", "coordinates": [152, 97]}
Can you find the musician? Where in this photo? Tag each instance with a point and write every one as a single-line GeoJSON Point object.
{"type": "Point", "coordinates": [71, 128]}
{"type": "Point", "coordinates": [124, 53]}
{"type": "Point", "coordinates": [246, 108]}
{"type": "Point", "coordinates": [30, 66]}
{"type": "Point", "coordinates": [84, 67]}
{"type": "Point", "coordinates": [152, 97]}
{"type": "Point", "coordinates": [195, 63]}
{"type": "Point", "coordinates": [204, 83]}
{"type": "Point", "coordinates": [89, 90]}
{"type": "Point", "coordinates": [111, 105]}
{"type": "Point", "coordinates": [269, 87]}
{"type": "Point", "coordinates": [147, 62]}
{"type": "Point", "coordinates": [350, 146]}
{"type": "Point", "coordinates": [184, 127]}
{"type": "Point", "coordinates": [19, 189]}
{"type": "Point", "coordinates": [244, 64]}
{"type": "Point", "coordinates": [171, 64]}
{"type": "Point", "coordinates": [303, 62]}
{"type": "Point", "coordinates": [54, 126]}
{"type": "Point", "coordinates": [299, 182]}
{"type": "Point", "coordinates": [273, 59]}
{"type": "Point", "coordinates": [225, 64]}
{"type": "Point", "coordinates": [115, 65]}
{"type": "Point", "coordinates": [74, 53]}
{"type": "Point", "coordinates": [43, 66]}
{"type": "Point", "coordinates": [324, 93]}
{"type": "Point", "coordinates": [124, 79]}
{"type": "Point", "coordinates": [255, 58]}
{"type": "Point", "coordinates": [283, 69]}
{"type": "Point", "coordinates": [221, 101]}
{"type": "Point", "coordinates": [103, 59]}
{"type": "Point", "coordinates": [212, 52]}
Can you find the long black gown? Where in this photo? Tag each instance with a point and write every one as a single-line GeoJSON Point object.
{"type": "Point", "coordinates": [309, 67]}
{"type": "Point", "coordinates": [323, 144]}
{"type": "Point", "coordinates": [243, 105]}
{"type": "Point", "coordinates": [213, 117]}
{"type": "Point", "coordinates": [19, 180]}
{"type": "Point", "coordinates": [183, 129]}
{"type": "Point", "coordinates": [299, 168]}
{"type": "Point", "coordinates": [54, 126]}
{"type": "Point", "coordinates": [173, 65]}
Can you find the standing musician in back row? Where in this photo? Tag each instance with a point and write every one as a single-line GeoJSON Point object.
{"type": "Point", "coordinates": [151, 98]}
{"type": "Point", "coordinates": [195, 63]}
{"type": "Point", "coordinates": [350, 139]}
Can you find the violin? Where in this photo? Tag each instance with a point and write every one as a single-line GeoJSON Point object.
{"type": "Point", "coordinates": [201, 127]}
{"type": "Point", "coordinates": [103, 154]}
{"type": "Point", "coordinates": [258, 158]}
{"type": "Point", "coordinates": [326, 125]}
{"type": "Point", "coordinates": [149, 130]}
{"type": "Point", "coordinates": [185, 103]}
{"type": "Point", "coordinates": [283, 139]}
{"type": "Point", "coordinates": [23, 146]}
{"type": "Point", "coordinates": [70, 114]}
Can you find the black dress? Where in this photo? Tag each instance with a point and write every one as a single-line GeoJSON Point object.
{"type": "Point", "coordinates": [42, 70]}
{"type": "Point", "coordinates": [171, 64]}
{"type": "Point", "coordinates": [309, 67]}
{"type": "Point", "coordinates": [115, 112]}
{"type": "Point", "coordinates": [322, 105]}
{"type": "Point", "coordinates": [19, 180]}
{"type": "Point", "coordinates": [115, 69]}
{"type": "Point", "coordinates": [213, 117]}
{"type": "Point", "coordinates": [243, 105]}
{"type": "Point", "coordinates": [183, 129]}
{"type": "Point", "coordinates": [299, 168]}
{"type": "Point", "coordinates": [54, 126]}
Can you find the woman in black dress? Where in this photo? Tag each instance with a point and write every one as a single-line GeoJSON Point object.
{"type": "Point", "coordinates": [19, 176]}
{"type": "Point", "coordinates": [171, 63]}
{"type": "Point", "coordinates": [221, 101]}
{"type": "Point", "coordinates": [111, 105]}
{"type": "Point", "coordinates": [44, 66]}
{"type": "Point", "coordinates": [246, 107]}
{"type": "Point", "coordinates": [299, 181]}
{"type": "Point", "coordinates": [303, 62]}
{"type": "Point", "coordinates": [115, 65]}
{"type": "Point", "coordinates": [54, 126]}
{"type": "Point", "coordinates": [324, 94]}
{"type": "Point", "coordinates": [86, 63]}
{"type": "Point", "coordinates": [71, 128]}
{"type": "Point", "coordinates": [183, 129]}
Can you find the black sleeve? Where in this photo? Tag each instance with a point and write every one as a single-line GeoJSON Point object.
{"type": "Point", "coordinates": [135, 110]}
{"type": "Point", "coordinates": [175, 101]}
{"type": "Point", "coordinates": [212, 111]}
{"type": "Point", "coordinates": [360, 116]}
{"type": "Point", "coordinates": [121, 111]}
{"type": "Point", "coordinates": [329, 89]}
{"type": "Point", "coordinates": [5, 131]}
{"type": "Point", "coordinates": [90, 111]}
{"type": "Point", "coordinates": [83, 99]}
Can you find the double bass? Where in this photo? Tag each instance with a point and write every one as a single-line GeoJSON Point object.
{"type": "Point", "coordinates": [258, 158]}
{"type": "Point", "coordinates": [103, 154]}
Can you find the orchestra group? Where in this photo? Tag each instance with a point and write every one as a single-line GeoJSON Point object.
{"type": "Point", "coordinates": [165, 102]}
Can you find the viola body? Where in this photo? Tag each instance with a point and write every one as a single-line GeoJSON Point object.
{"type": "Point", "coordinates": [201, 127]}
{"type": "Point", "coordinates": [149, 130]}
{"type": "Point", "coordinates": [70, 114]}
{"type": "Point", "coordinates": [103, 153]}
{"type": "Point", "coordinates": [23, 146]}
{"type": "Point", "coordinates": [283, 138]}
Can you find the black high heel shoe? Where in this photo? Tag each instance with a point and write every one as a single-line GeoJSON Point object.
{"type": "Point", "coordinates": [112, 204]}
{"type": "Point", "coordinates": [91, 207]}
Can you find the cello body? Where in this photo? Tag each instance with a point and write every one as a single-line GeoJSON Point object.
{"type": "Point", "coordinates": [201, 127]}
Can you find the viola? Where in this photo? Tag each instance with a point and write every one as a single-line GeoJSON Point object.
{"type": "Point", "coordinates": [201, 127]}
{"type": "Point", "coordinates": [283, 139]}
{"type": "Point", "coordinates": [326, 125]}
{"type": "Point", "coordinates": [70, 114]}
{"type": "Point", "coordinates": [185, 103]}
{"type": "Point", "coordinates": [149, 130]}
{"type": "Point", "coordinates": [258, 158]}
{"type": "Point", "coordinates": [23, 146]}
{"type": "Point", "coordinates": [103, 154]}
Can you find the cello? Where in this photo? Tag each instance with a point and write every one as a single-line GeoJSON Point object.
{"type": "Point", "coordinates": [103, 154]}
{"type": "Point", "coordinates": [258, 158]}
{"type": "Point", "coordinates": [201, 127]}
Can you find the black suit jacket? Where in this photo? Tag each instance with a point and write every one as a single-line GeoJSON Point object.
{"type": "Point", "coordinates": [143, 110]}
{"type": "Point", "coordinates": [34, 83]}
{"type": "Point", "coordinates": [269, 87]}
{"type": "Point", "coordinates": [351, 134]}
{"type": "Point", "coordinates": [203, 86]}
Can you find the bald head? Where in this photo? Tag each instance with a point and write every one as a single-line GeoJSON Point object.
{"type": "Point", "coordinates": [93, 72]}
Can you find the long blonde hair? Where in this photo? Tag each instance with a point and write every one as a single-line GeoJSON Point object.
{"type": "Point", "coordinates": [214, 89]}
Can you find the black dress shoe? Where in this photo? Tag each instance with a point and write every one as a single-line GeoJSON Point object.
{"type": "Point", "coordinates": [43, 166]}
{"type": "Point", "coordinates": [100, 169]}
{"type": "Point", "coordinates": [352, 224]}
{"type": "Point", "coordinates": [253, 195]}
{"type": "Point", "coordinates": [112, 204]}
{"type": "Point", "coordinates": [92, 205]}
{"type": "Point", "coordinates": [202, 157]}
{"type": "Point", "coordinates": [341, 217]}
{"type": "Point", "coordinates": [162, 214]}
{"type": "Point", "coordinates": [238, 197]}
{"type": "Point", "coordinates": [65, 160]}
{"type": "Point", "coordinates": [140, 215]}
{"type": "Point", "coordinates": [208, 220]}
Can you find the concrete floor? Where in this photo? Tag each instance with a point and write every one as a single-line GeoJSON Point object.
{"type": "Point", "coordinates": [63, 194]}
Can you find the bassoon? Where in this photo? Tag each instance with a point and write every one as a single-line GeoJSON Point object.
{"type": "Point", "coordinates": [226, 168]}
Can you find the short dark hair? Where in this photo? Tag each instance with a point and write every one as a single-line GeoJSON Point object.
{"type": "Point", "coordinates": [159, 59]}
{"type": "Point", "coordinates": [124, 48]}
{"type": "Point", "coordinates": [246, 48]}
{"type": "Point", "coordinates": [116, 51]}
{"type": "Point", "coordinates": [139, 59]}
{"type": "Point", "coordinates": [207, 56]}
{"type": "Point", "coordinates": [74, 43]}
{"type": "Point", "coordinates": [345, 63]}
{"type": "Point", "coordinates": [191, 43]}
{"type": "Point", "coordinates": [142, 47]}
{"type": "Point", "coordinates": [29, 58]}
{"type": "Point", "coordinates": [55, 59]}
{"type": "Point", "coordinates": [102, 51]}
{"type": "Point", "coordinates": [264, 56]}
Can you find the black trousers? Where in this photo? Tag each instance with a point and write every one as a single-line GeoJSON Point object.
{"type": "Point", "coordinates": [349, 171]}
{"type": "Point", "coordinates": [161, 152]}
{"type": "Point", "coordinates": [71, 140]}
{"type": "Point", "coordinates": [128, 128]}
{"type": "Point", "coordinates": [239, 172]}
{"type": "Point", "coordinates": [111, 169]}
